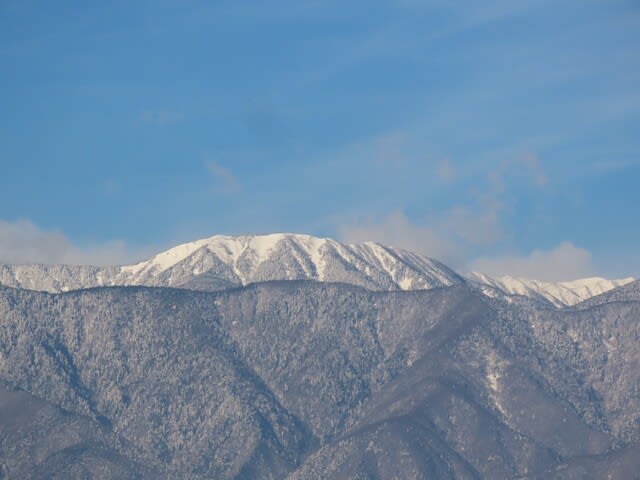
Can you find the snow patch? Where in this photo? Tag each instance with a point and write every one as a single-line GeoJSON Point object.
{"type": "Point", "coordinates": [495, 366]}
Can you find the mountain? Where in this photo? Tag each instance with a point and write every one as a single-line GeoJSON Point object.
{"type": "Point", "coordinates": [313, 380]}
{"type": "Point", "coordinates": [155, 372]}
{"type": "Point", "coordinates": [41, 440]}
{"type": "Point", "coordinates": [299, 358]}
{"type": "Point", "coordinates": [559, 294]}
{"type": "Point", "coordinates": [627, 293]}
{"type": "Point", "coordinates": [221, 262]}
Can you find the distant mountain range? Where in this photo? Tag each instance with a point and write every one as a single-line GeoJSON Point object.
{"type": "Point", "coordinates": [288, 357]}
{"type": "Point", "coordinates": [221, 262]}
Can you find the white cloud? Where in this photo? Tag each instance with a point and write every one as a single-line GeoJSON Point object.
{"type": "Point", "coordinates": [397, 230]}
{"type": "Point", "coordinates": [449, 237]}
{"type": "Point", "coordinates": [561, 263]}
{"type": "Point", "coordinates": [25, 242]}
{"type": "Point", "coordinates": [225, 180]}
{"type": "Point", "coordinates": [456, 236]}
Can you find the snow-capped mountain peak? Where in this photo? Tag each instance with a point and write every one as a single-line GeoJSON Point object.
{"type": "Point", "coordinates": [223, 261]}
{"type": "Point", "coordinates": [243, 255]}
{"type": "Point", "coordinates": [228, 249]}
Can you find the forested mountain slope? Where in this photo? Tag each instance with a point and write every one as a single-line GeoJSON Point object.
{"type": "Point", "coordinates": [317, 380]}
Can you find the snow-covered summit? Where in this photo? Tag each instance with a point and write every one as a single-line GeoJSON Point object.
{"type": "Point", "coordinates": [253, 258]}
{"type": "Point", "coordinates": [558, 293]}
{"type": "Point", "coordinates": [250, 250]}
{"type": "Point", "coordinates": [224, 261]}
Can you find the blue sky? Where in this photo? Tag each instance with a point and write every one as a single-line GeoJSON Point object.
{"type": "Point", "coordinates": [498, 135]}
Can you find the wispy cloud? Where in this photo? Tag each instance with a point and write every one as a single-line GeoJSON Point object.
{"type": "Point", "coordinates": [457, 233]}
{"type": "Point", "coordinates": [615, 165]}
{"type": "Point", "coordinates": [471, 13]}
{"type": "Point", "coordinates": [449, 237]}
{"type": "Point", "coordinates": [525, 164]}
{"type": "Point", "coordinates": [397, 230]}
{"type": "Point", "coordinates": [446, 171]}
{"type": "Point", "coordinates": [563, 262]}
{"type": "Point", "coordinates": [160, 117]}
{"type": "Point", "coordinates": [24, 242]}
{"type": "Point", "coordinates": [111, 187]}
{"type": "Point", "coordinates": [389, 149]}
{"type": "Point", "coordinates": [479, 225]}
{"type": "Point", "coordinates": [449, 240]}
{"type": "Point", "coordinates": [226, 182]}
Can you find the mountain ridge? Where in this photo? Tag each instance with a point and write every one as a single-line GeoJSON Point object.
{"type": "Point", "coordinates": [312, 380]}
{"type": "Point", "coordinates": [222, 261]}
{"type": "Point", "coordinates": [559, 294]}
